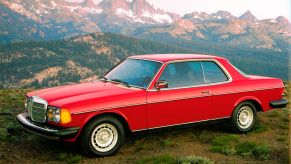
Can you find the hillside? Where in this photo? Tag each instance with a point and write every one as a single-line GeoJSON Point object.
{"type": "Point", "coordinates": [84, 58]}
{"type": "Point", "coordinates": [77, 59]}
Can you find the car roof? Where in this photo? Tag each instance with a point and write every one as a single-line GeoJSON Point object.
{"type": "Point", "coordinates": [172, 57]}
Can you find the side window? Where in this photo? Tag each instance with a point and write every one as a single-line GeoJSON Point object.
{"type": "Point", "coordinates": [183, 74]}
{"type": "Point", "coordinates": [213, 73]}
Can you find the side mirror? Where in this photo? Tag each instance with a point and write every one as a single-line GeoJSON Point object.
{"type": "Point", "coordinates": [161, 84]}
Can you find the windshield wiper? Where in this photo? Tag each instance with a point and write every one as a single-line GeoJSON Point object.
{"type": "Point", "coordinates": [120, 81]}
{"type": "Point", "coordinates": [103, 78]}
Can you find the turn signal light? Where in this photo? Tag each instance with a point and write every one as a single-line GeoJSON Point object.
{"type": "Point", "coordinates": [65, 116]}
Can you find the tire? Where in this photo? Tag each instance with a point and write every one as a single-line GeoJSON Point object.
{"type": "Point", "coordinates": [244, 117]}
{"type": "Point", "coordinates": [102, 137]}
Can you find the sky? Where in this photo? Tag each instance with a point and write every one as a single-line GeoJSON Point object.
{"type": "Point", "coordinates": [262, 9]}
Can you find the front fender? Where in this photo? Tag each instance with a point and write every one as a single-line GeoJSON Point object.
{"type": "Point", "coordinates": [104, 112]}
{"type": "Point", "coordinates": [87, 117]}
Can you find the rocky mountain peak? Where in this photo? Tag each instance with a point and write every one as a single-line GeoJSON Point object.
{"type": "Point", "coordinates": [196, 16]}
{"type": "Point", "coordinates": [123, 4]}
{"type": "Point", "coordinates": [248, 16]}
{"type": "Point", "coordinates": [221, 14]}
{"type": "Point", "coordinates": [88, 3]}
{"type": "Point", "coordinates": [282, 20]}
{"type": "Point", "coordinates": [138, 6]}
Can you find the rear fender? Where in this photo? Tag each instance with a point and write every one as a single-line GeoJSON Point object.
{"type": "Point", "coordinates": [246, 98]}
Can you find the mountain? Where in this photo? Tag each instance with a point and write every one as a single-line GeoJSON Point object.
{"type": "Point", "coordinates": [87, 57]}
{"type": "Point", "coordinates": [23, 20]}
{"type": "Point", "coordinates": [248, 16]}
{"type": "Point", "coordinates": [222, 27]}
{"type": "Point", "coordinates": [67, 19]}
{"type": "Point", "coordinates": [138, 11]}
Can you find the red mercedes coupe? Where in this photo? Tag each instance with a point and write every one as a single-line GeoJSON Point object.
{"type": "Point", "coordinates": [148, 92]}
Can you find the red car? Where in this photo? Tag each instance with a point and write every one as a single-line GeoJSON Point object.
{"type": "Point", "coordinates": [147, 92]}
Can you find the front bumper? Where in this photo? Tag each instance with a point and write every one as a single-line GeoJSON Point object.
{"type": "Point", "coordinates": [45, 131]}
{"type": "Point", "coordinates": [279, 103]}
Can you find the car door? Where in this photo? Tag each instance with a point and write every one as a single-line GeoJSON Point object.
{"type": "Point", "coordinates": [218, 80]}
{"type": "Point", "coordinates": [187, 99]}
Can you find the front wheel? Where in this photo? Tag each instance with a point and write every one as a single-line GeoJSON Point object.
{"type": "Point", "coordinates": [244, 117]}
{"type": "Point", "coordinates": [102, 137]}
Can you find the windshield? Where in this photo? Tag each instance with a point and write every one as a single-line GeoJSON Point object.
{"type": "Point", "coordinates": [134, 72]}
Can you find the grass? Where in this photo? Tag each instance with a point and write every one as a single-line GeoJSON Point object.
{"type": "Point", "coordinates": [163, 159]}
{"type": "Point", "coordinates": [283, 126]}
{"type": "Point", "coordinates": [194, 160]}
{"type": "Point", "coordinates": [167, 143]}
{"type": "Point", "coordinates": [259, 128]}
{"type": "Point", "coordinates": [273, 113]}
{"type": "Point", "coordinates": [230, 145]}
{"type": "Point", "coordinates": [141, 147]}
{"type": "Point", "coordinates": [205, 136]}
{"type": "Point", "coordinates": [69, 158]}
{"type": "Point", "coordinates": [11, 103]}
{"type": "Point", "coordinates": [224, 140]}
{"type": "Point", "coordinates": [251, 149]}
{"type": "Point", "coordinates": [224, 144]}
{"type": "Point", "coordinates": [281, 139]}
{"type": "Point", "coordinates": [168, 159]}
{"type": "Point", "coordinates": [3, 134]}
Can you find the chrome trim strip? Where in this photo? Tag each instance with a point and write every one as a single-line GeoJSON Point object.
{"type": "Point", "coordinates": [203, 72]}
{"type": "Point", "coordinates": [177, 99]}
{"type": "Point", "coordinates": [132, 57]}
{"type": "Point", "coordinates": [181, 124]}
{"type": "Point", "coordinates": [252, 90]}
{"type": "Point", "coordinates": [187, 60]}
{"type": "Point", "coordinates": [101, 109]}
{"type": "Point", "coordinates": [154, 77]}
{"type": "Point", "coordinates": [21, 117]}
{"type": "Point", "coordinates": [39, 100]}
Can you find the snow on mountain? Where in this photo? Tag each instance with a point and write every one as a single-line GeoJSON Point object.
{"type": "Point", "coordinates": [141, 19]}
{"type": "Point", "coordinates": [156, 18]}
{"type": "Point", "coordinates": [139, 11]}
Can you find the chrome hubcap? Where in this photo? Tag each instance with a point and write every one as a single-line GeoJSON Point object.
{"type": "Point", "coordinates": [104, 137]}
{"type": "Point", "coordinates": [245, 117]}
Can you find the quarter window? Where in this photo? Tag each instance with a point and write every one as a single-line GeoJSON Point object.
{"type": "Point", "coordinates": [213, 73]}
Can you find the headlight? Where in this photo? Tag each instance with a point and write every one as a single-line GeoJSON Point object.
{"type": "Point", "coordinates": [58, 115]}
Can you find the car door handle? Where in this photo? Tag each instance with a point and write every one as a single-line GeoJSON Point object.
{"type": "Point", "coordinates": [206, 92]}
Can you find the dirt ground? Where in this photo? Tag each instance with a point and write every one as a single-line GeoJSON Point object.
{"type": "Point", "coordinates": [17, 146]}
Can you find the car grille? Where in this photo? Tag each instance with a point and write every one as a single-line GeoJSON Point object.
{"type": "Point", "coordinates": [36, 109]}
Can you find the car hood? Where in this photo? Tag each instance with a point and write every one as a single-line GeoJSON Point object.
{"type": "Point", "coordinates": [83, 94]}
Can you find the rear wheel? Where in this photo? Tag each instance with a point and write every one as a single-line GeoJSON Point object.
{"type": "Point", "coordinates": [102, 136]}
{"type": "Point", "coordinates": [244, 117]}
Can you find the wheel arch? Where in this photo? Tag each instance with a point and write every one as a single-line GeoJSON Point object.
{"type": "Point", "coordinates": [119, 116]}
{"type": "Point", "coordinates": [255, 101]}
